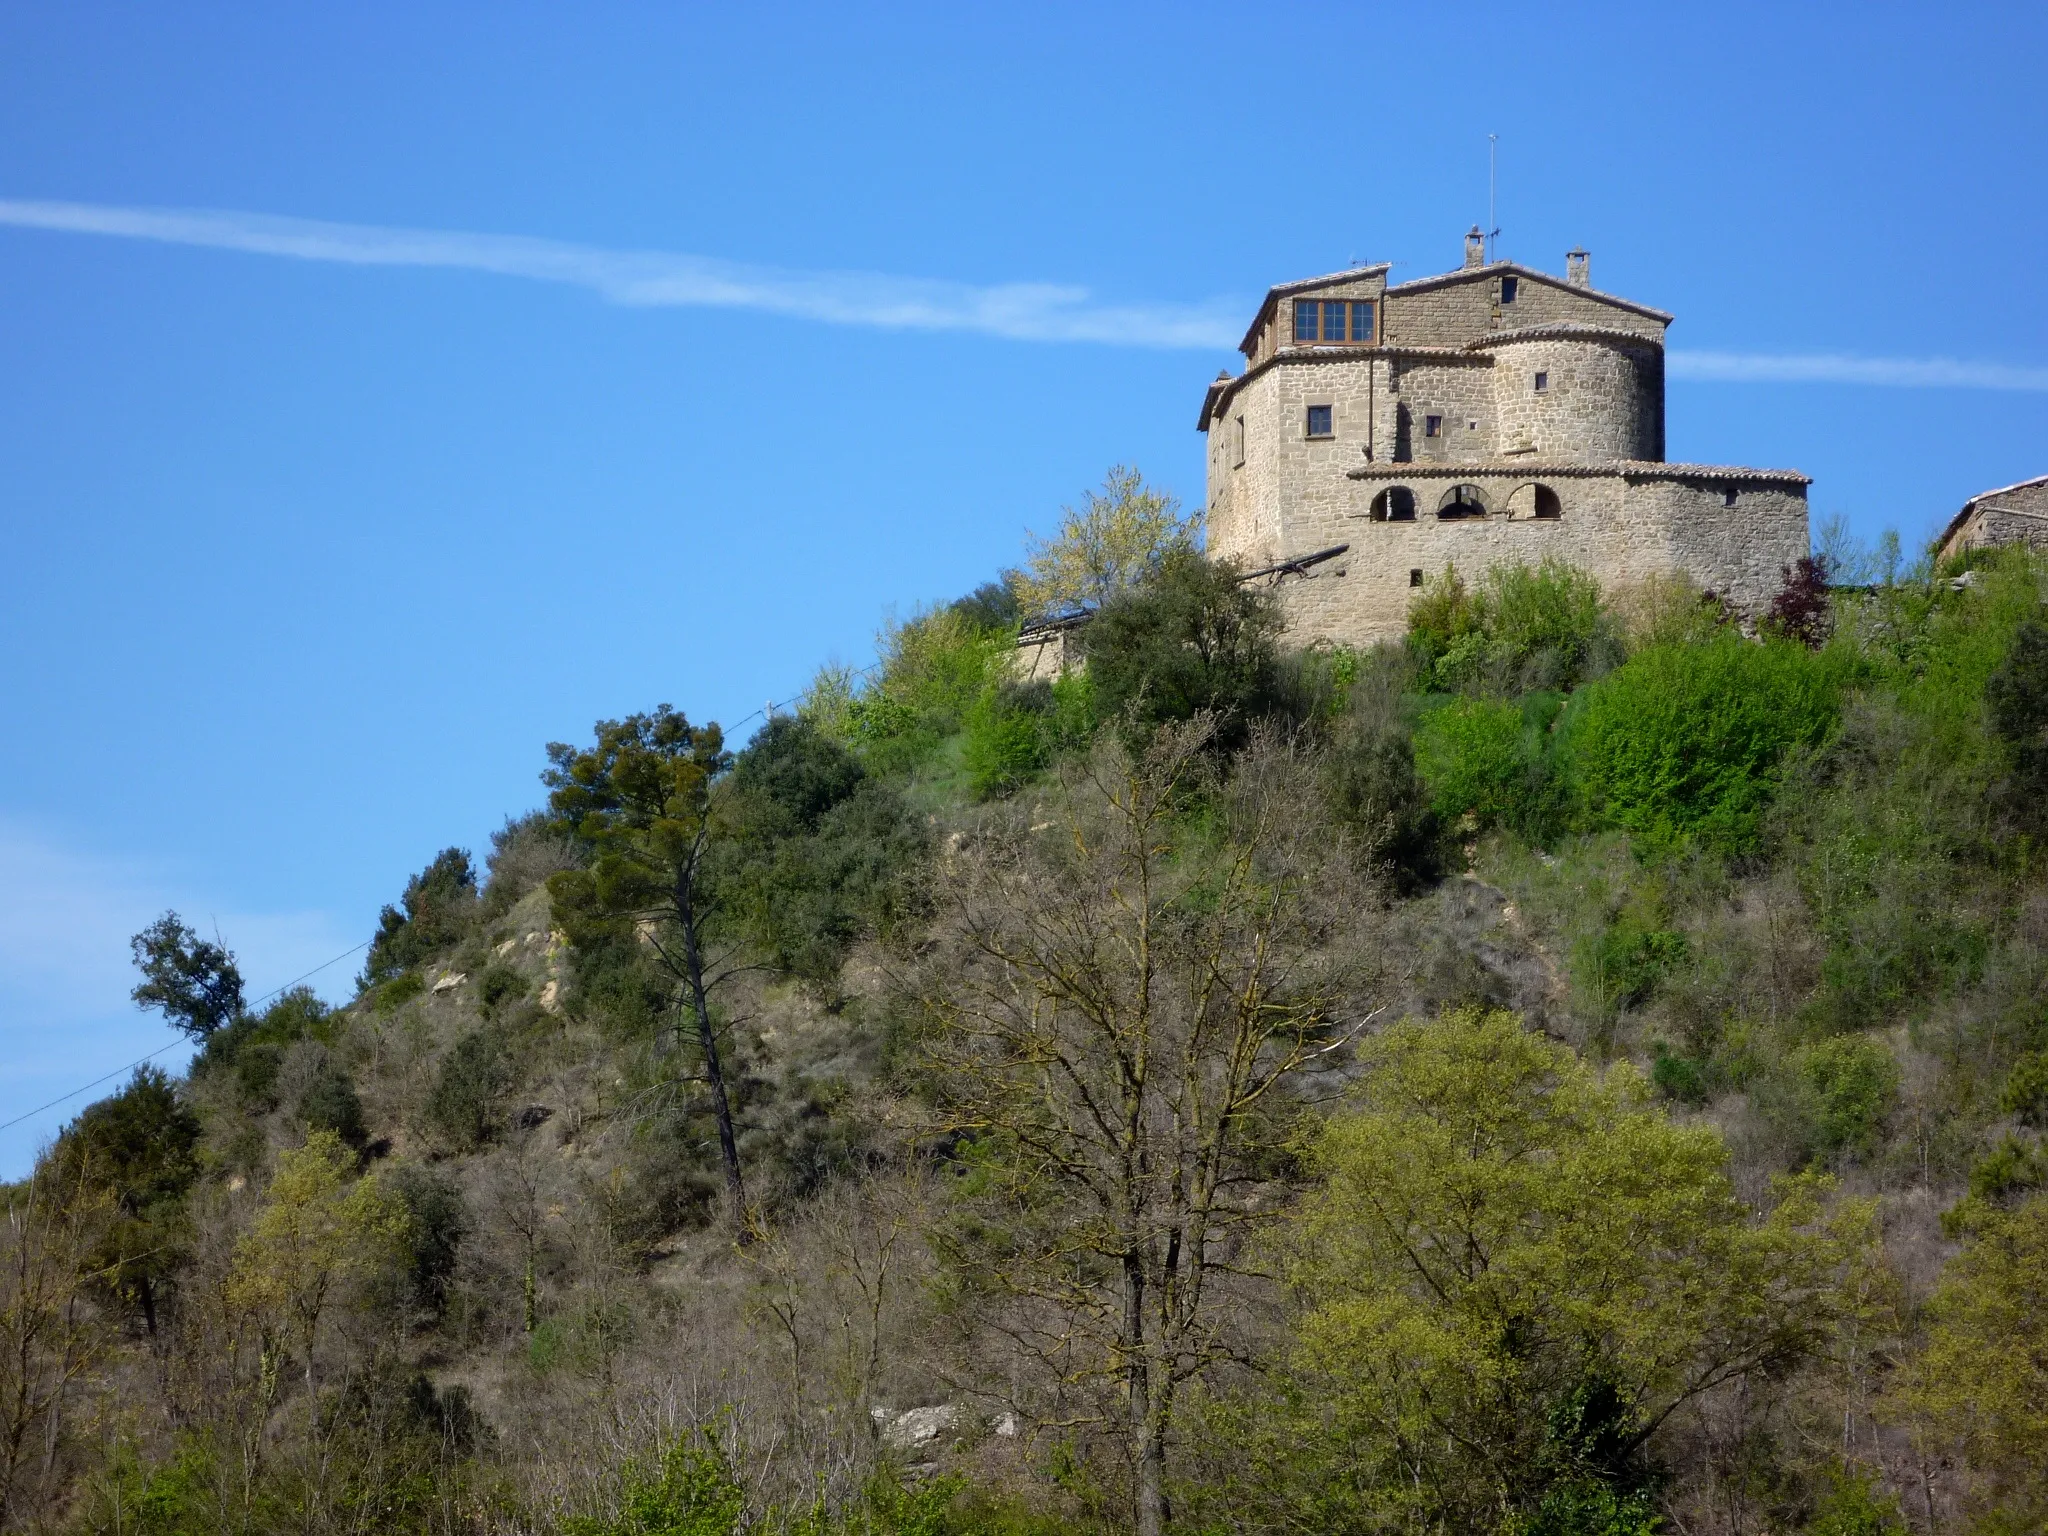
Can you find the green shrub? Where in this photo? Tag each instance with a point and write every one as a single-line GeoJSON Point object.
{"type": "Point", "coordinates": [462, 1105]}
{"type": "Point", "coordinates": [1851, 1084]}
{"type": "Point", "coordinates": [1526, 628]}
{"type": "Point", "coordinates": [1188, 638]}
{"type": "Point", "coordinates": [1685, 741]}
{"type": "Point", "coordinates": [436, 1224]}
{"type": "Point", "coordinates": [498, 986]}
{"type": "Point", "coordinates": [1679, 1077]}
{"type": "Point", "coordinates": [2025, 1096]}
{"type": "Point", "coordinates": [330, 1103]}
{"type": "Point", "coordinates": [1007, 738]}
{"type": "Point", "coordinates": [1486, 766]}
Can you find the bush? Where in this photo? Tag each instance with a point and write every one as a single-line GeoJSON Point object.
{"type": "Point", "coordinates": [1189, 638]}
{"type": "Point", "coordinates": [1851, 1085]}
{"type": "Point", "coordinates": [1007, 739]}
{"type": "Point", "coordinates": [1375, 791]}
{"type": "Point", "coordinates": [462, 1105]}
{"type": "Point", "coordinates": [499, 985]}
{"type": "Point", "coordinates": [437, 1223]}
{"type": "Point", "coordinates": [1485, 765]}
{"type": "Point", "coordinates": [524, 852]}
{"type": "Point", "coordinates": [2025, 1097]}
{"type": "Point", "coordinates": [1685, 742]}
{"type": "Point", "coordinates": [1525, 629]}
{"type": "Point", "coordinates": [330, 1103]}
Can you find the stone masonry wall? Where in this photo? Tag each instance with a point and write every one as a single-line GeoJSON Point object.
{"type": "Point", "coordinates": [1458, 309]}
{"type": "Point", "coordinates": [1592, 409]}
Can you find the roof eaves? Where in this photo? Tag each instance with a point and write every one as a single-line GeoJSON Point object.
{"type": "Point", "coordinates": [1495, 269]}
{"type": "Point", "coordinates": [1280, 290]}
{"type": "Point", "coordinates": [1963, 514]}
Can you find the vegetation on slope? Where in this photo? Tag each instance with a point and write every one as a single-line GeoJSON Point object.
{"type": "Point", "coordinates": [1580, 1071]}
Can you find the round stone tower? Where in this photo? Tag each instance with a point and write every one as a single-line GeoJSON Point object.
{"type": "Point", "coordinates": [1577, 392]}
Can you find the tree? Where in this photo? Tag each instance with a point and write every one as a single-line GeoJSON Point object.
{"type": "Point", "coordinates": [1979, 1388]}
{"type": "Point", "coordinates": [439, 904]}
{"type": "Point", "coordinates": [1189, 638]}
{"type": "Point", "coordinates": [1116, 538]}
{"type": "Point", "coordinates": [643, 798]}
{"type": "Point", "coordinates": [1121, 999]}
{"type": "Point", "coordinates": [1513, 1273]}
{"type": "Point", "coordinates": [320, 1226]}
{"type": "Point", "coordinates": [195, 983]}
{"type": "Point", "coordinates": [140, 1148]}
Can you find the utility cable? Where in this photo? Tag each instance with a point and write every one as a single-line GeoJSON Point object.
{"type": "Point", "coordinates": [152, 1056]}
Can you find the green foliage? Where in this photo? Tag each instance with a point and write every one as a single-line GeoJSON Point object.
{"type": "Point", "coordinates": [1685, 742]}
{"type": "Point", "coordinates": [1979, 1389]}
{"type": "Point", "coordinates": [437, 1222]}
{"type": "Point", "coordinates": [462, 1106]}
{"type": "Point", "coordinates": [691, 1490]}
{"type": "Point", "coordinates": [250, 1051]}
{"type": "Point", "coordinates": [1373, 787]}
{"type": "Point", "coordinates": [1854, 1505]}
{"type": "Point", "coordinates": [439, 908]}
{"type": "Point", "coordinates": [1526, 629]}
{"type": "Point", "coordinates": [330, 1103]}
{"type": "Point", "coordinates": [2016, 705]}
{"type": "Point", "coordinates": [498, 988]}
{"type": "Point", "coordinates": [2025, 1095]}
{"type": "Point", "coordinates": [1015, 731]}
{"type": "Point", "coordinates": [1622, 964]}
{"type": "Point", "coordinates": [1189, 638]}
{"type": "Point", "coordinates": [1851, 1085]}
{"type": "Point", "coordinates": [1119, 538]}
{"type": "Point", "coordinates": [1487, 765]}
{"type": "Point", "coordinates": [195, 983]}
{"type": "Point", "coordinates": [932, 671]}
{"type": "Point", "coordinates": [1513, 1272]}
{"type": "Point", "coordinates": [822, 853]}
{"type": "Point", "coordinates": [398, 991]}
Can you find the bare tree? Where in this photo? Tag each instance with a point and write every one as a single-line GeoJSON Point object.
{"type": "Point", "coordinates": [1126, 994]}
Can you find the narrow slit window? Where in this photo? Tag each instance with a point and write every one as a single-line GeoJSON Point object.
{"type": "Point", "coordinates": [1542, 381]}
{"type": "Point", "coordinates": [1319, 421]}
{"type": "Point", "coordinates": [1237, 445]}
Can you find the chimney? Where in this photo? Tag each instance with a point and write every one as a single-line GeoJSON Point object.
{"type": "Point", "coordinates": [1475, 248]}
{"type": "Point", "coordinates": [1575, 268]}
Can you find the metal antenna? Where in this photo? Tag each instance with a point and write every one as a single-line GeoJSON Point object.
{"type": "Point", "coordinates": [1492, 186]}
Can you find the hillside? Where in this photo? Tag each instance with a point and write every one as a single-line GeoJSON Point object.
{"type": "Point", "coordinates": [1582, 1070]}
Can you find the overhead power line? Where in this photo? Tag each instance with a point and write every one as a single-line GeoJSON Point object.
{"type": "Point", "coordinates": [152, 1056]}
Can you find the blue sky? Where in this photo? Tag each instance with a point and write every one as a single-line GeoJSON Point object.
{"type": "Point", "coordinates": [389, 390]}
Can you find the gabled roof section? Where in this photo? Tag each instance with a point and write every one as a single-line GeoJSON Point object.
{"type": "Point", "coordinates": [1561, 330]}
{"type": "Point", "coordinates": [1502, 268]}
{"type": "Point", "coordinates": [1303, 285]}
{"type": "Point", "coordinates": [1978, 500]}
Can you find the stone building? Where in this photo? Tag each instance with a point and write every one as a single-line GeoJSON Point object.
{"type": "Point", "coordinates": [2012, 514]}
{"type": "Point", "coordinates": [1491, 415]}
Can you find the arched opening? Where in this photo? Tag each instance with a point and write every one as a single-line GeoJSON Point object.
{"type": "Point", "coordinates": [1396, 504]}
{"type": "Point", "coordinates": [1461, 501]}
{"type": "Point", "coordinates": [1535, 501]}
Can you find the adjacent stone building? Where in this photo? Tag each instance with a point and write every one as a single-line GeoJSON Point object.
{"type": "Point", "coordinates": [1490, 415]}
{"type": "Point", "coordinates": [2012, 514]}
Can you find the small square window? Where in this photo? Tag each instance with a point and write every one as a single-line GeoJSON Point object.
{"type": "Point", "coordinates": [1508, 285]}
{"type": "Point", "coordinates": [1306, 315]}
{"type": "Point", "coordinates": [1415, 578]}
{"type": "Point", "coordinates": [1361, 322]}
{"type": "Point", "coordinates": [1728, 496]}
{"type": "Point", "coordinates": [1471, 423]}
{"type": "Point", "coordinates": [1432, 426]}
{"type": "Point", "coordinates": [1319, 421]}
{"type": "Point", "coordinates": [1542, 382]}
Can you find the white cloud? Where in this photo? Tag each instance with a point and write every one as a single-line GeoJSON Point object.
{"type": "Point", "coordinates": [1839, 368]}
{"type": "Point", "coordinates": [1020, 311]}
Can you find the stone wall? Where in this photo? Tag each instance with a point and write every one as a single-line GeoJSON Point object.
{"type": "Point", "coordinates": [1621, 527]}
{"type": "Point", "coordinates": [2017, 514]}
{"type": "Point", "coordinates": [1594, 406]}
{"type": "Point", "coordinates": [1461, 307]}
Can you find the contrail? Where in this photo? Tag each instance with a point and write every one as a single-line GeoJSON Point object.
{"type": "Point", "coordinates": [657, 279]}
{"type": "Point", "coordinates": [1017, 311]}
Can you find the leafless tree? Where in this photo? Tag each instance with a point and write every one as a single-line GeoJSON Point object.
{"type": "Point", "coordinates": [1127, 994]}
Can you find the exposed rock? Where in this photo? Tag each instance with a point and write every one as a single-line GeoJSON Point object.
{"type": "Point", "coordinates": [1005, 1425]}
{"type": "Point", "coordinates": [551, 996]}
{"type": "Point", "coordinates": [915, 1427]}
{"type": "Point", "coordinates": [504, 950]}
{"type": "Point", "coordinates": [451, 981]}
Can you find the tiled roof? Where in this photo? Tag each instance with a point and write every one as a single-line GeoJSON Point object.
{"type": "Point", "coordinates": [1499, 268]}
{"type": "Point", "coordinates": [1300, 285]}
{"type": "Point", "coordinates": [1563, 330]}
{"type": "Point", "coordinates": [1531, 468]}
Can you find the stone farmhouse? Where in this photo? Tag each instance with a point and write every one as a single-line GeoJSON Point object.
{"type": "Point", "coordinates": [2012, 514]}
{"type": "Point", "coordinates": [1491, 415]}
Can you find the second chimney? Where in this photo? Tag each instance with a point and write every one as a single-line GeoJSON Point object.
{"type": "Point", "coordinates": [1575, 271]}
{"type": "Point", "coordinates": [1475, 248]}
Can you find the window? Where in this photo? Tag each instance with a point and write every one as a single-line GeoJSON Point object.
{"type": "Point", "coordinates": [1414, 577]}
{"type": "Point", "coordinates": [1542, 382]}
{"type": "Point", "coordinates": [1462, 501]}
{"type": "Point", "coordinates": [1319, 421]}
{"type": "Point", "coordinates": [1396, 504]}
{"type": "Point", "coordinates": [1237, 432]}
{"type": "Point", "coordinates": [1728, 496]}
{"type": "Point", "coordinates": [1432, 426]}
{"type": "Point", "coordinates": [1471, 423]}
{"type": "Point", "coordinates": [1508, 285]}
{"type": "Point", "coordinates": [1537, 501]}
{"type": "Point", "coordinates": [1332, 320]}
